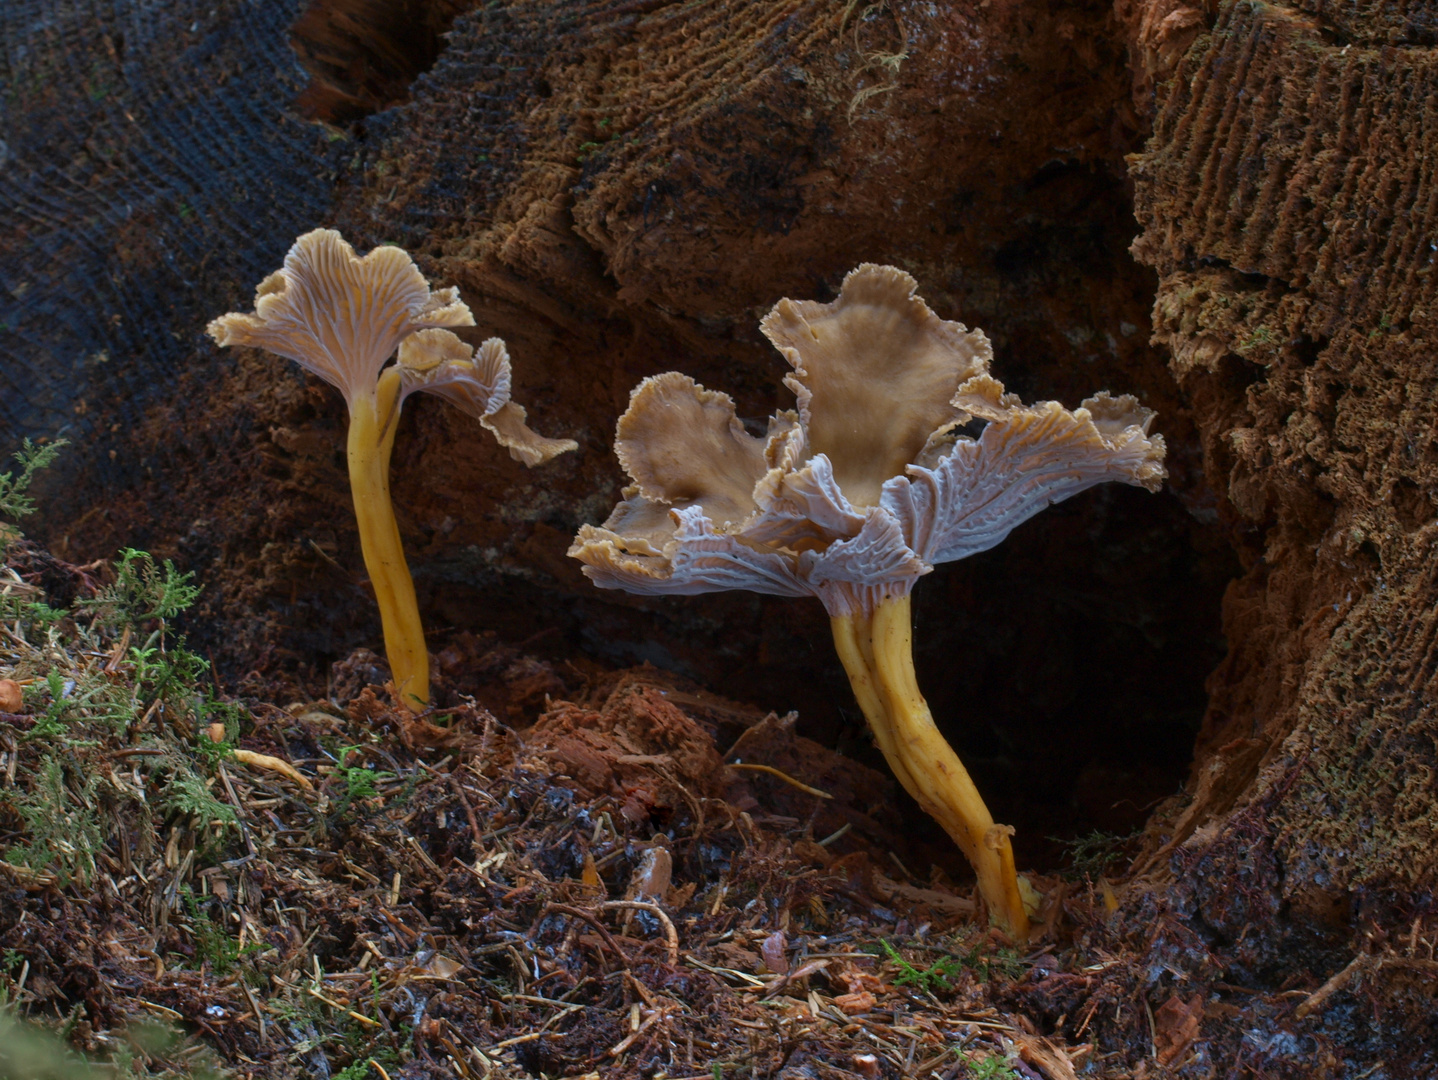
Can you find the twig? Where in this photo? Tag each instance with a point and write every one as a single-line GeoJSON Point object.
{"type": "Point", "coordinates": [457, 1056]}
{"type": "Point", "coordinates": [162, 1010]}
{"type": "Point", "coordinates": [255, 1008]}
{"type": "Point", "coordinates": [424, 856]}
{"type": "Point", "coordinates": [239, 809]}
{"type": "Point", "coordinates": [782, 776]}
{"type": "Point", "coordinates": [468, 811]}
{"type": "Point", "coordinates": [118, 654]}
{"type": "Point", "coordinates": [1333, 985]}
{"type": "Point", "coordinates": [671, 935]}
{"type": "Point", "coordinates": [521, 1039]}
{"type": "Point", "coordinates": [1092, 1006]}
{"type": "Point", "coordinates": [592, 920]}
{"type": "Point", "coordinates": [629, 1040]}
{"type": "Point", "coordinates": [694, 804]}
{"type": "Point", "coordinates": [336, 1005]}
{"type": "Point", "coordinates": [730, 972]}
{"type": "Point", "coordinates": [836, 834]}
{"type": "Point", "coordinates": [33, 879]}
{"type": "Point", "coordinates": [804, 970]}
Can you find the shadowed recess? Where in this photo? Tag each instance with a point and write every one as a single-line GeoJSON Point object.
{"type": "Point", "coordinates": [362, 55]}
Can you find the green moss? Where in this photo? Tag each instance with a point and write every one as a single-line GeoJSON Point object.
{"type": "Point", "coordinates": [62, 824]}
{"type": "Point", "coordinates": [15, 499]}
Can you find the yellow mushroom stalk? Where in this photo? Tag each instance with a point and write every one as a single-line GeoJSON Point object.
{"type": "Point", "coordinates": [343, 317]}
{"type": "Point", "coordinates": [368, 447]}
{"type": "Point", "coordinates": [853, 496]}
{"type": "Point", "coordinates": [877, 654]}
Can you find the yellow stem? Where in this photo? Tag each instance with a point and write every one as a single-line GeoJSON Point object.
{"type": "Point", "coordinates": [877, 653]}
{"type": "Point", "coordinates": [853, 640]}
{"type": "Point", "coordinates": [371, 440]}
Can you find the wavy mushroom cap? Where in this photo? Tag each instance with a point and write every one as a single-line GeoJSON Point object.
{"type": "Point", "coordinates": [436, 361]}
{"type": "Point", "coordinates": [869, 484]}
{"type": "Point", "coordinates": [339, 315]}
{"type": "Point", "coordinates": [682, 444]}
{"type": "Point", "coordinates": [874, 373]}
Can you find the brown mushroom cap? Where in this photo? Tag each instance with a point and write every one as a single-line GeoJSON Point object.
{"type": "Point", "coordinates": [1027, 458]}
{"type": "Point", "coordinates": [874, 373]}
{"type": "Point", "coordinates": [869, 484]}
{"type": "Point", "coordinates": [683, 444]}
{"type": "Point", "coordinates": [339, 315]}
{"type": "Point", "coordinates": [343, 317]}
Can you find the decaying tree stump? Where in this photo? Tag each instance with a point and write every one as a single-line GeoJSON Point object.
{"type": "Point", "coordinates": [1287, 201]}
{"type": "Point", "coordinates": [621, 188]}
{"type": "Point", "coordinates": [618, 189]}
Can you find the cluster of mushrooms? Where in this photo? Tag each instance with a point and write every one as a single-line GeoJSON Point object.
{"type": "Point", "coordinates": [840, 500]}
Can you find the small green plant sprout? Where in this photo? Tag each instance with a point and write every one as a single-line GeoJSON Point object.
{"type": "Point", "coordinates": [343, 317]}
{"type": "Point", "coordinates": [144, 598]}
{"type": "Point", "coordinates": [872, 481]}
{"type": "Point", "coordinates": [18, 598]}
{"type": "Point", "coordinates": [143, 591]}
{"type": "Point", "coordinates": [359, 783]}
{"type": "Point", "coordinates": [15, 500]}
{"type": "Point", "coordinates": [52, 723]}
{"type": "Point", "coordinates": [993, 1067]}
{"type": "Point", "coordinates": [213, 945]}
{"type": "Point", "coordinates": [64, 830]}
{"type": "Point", "coordinates": [1003, 962]}
{"type": "Point", "coordinates": [188, 796]}
{"type": "Point", "coordinates": [938, 976]}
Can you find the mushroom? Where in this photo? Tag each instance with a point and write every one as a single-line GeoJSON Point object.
{"type": "Point", "coordinates": [342, 317]}
{"type": "Point", "coordinates": [873, 480]}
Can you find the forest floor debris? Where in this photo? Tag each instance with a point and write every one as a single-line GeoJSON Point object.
{"type": "Point", "coordinates": [339, 888]}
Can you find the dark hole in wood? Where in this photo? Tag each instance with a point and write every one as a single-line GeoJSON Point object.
{"type": "Point", "coordinates": [363, 55]}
